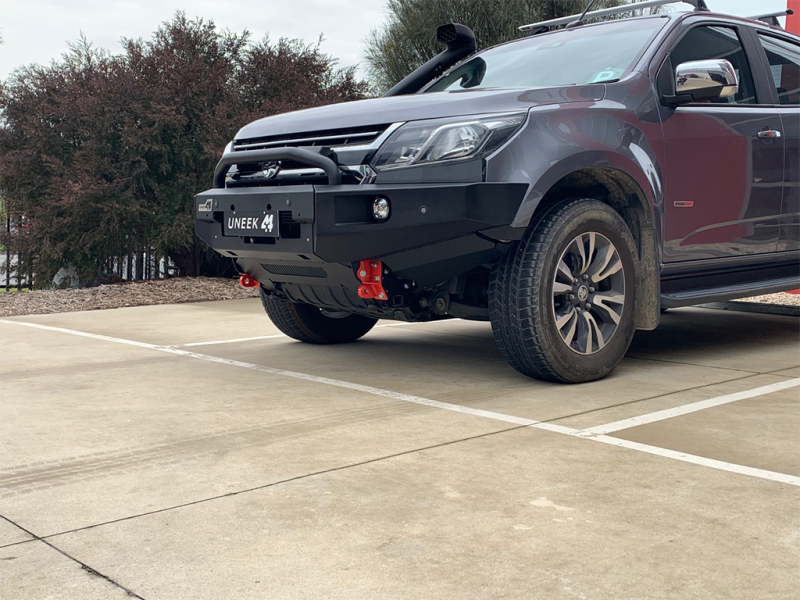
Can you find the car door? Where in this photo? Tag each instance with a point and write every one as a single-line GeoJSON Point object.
{"type": "Point", "coordinates": [723, 166]}
{"type": "Point", "coordinates": [782, 55]}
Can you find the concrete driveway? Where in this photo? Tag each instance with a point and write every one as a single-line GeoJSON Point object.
{"type": "Point", "coordinates": [190, 451]}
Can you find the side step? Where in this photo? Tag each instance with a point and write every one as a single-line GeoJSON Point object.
{"type": "Point", "coordinates": [753, 307]}
{"type": "Point", "coordinates": [721, 294]}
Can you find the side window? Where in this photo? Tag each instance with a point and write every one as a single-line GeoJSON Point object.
{"type": "Point", "coordinates": [708, 42]}
{"type": "Point", "coordinates": [784, 62]}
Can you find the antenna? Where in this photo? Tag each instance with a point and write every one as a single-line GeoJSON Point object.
{"type": "Point", "coordinates": [579, 22]}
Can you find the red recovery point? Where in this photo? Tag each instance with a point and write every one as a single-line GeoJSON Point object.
{"type": "Point", "coordinates": [370, 274]}
{"type": "Point", "coordinates": [247, 282]}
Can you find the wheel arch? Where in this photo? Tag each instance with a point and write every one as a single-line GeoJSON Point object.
{"type": "Point", "coordinates": [613, 187]}
{"type": "Point", "coordinates": [623, 193]}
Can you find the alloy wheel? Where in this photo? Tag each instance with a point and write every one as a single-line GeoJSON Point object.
{"type": "Point", "coordinates": [588, 293]}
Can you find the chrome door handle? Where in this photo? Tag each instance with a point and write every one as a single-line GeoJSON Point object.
{"type": "Point", "coordinates": [769, 133]}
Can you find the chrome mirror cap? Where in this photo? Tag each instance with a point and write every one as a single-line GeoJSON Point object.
{"type": "Point", "coordinates": [706, 79]}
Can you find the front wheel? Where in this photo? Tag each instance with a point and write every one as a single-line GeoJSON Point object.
{"type": "Point", "coordinates": [562, 301]}
{"type": "Point", "coordinates": [309, 324]}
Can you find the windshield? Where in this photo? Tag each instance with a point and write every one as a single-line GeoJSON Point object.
{"type": "Point", "coordinates": [588, 54]}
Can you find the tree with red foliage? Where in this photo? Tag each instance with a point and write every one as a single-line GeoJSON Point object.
{"type": "Point", "coordinates": [102, 153]}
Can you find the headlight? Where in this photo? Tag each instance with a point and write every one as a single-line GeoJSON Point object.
{"type": "Point", "coordinates": [437, 140]}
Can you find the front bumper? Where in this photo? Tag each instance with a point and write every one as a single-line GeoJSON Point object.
{"type": "Point", "coordinates": [323, 232]}
{"type": "Point", "coordinates": [334, 224]}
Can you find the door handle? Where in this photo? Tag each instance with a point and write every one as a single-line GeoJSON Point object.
{"type": "Point", "coordinates": [769, 133]}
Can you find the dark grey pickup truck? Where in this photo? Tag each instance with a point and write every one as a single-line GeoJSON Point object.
{"type": "Point", "coordinates": [567, 187]}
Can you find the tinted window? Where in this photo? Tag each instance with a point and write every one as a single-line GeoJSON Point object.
{"type": "Point", "coordinates": [784, 62]}
{"type": "Point", "coordinates": [590, 54]}
{"type": "Point", "coordinates": [703, 43]}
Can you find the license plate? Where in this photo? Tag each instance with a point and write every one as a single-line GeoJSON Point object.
{"type": "Point", "coordinates": [250, 224]}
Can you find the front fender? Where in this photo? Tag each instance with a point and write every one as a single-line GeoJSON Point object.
{"type": "Point", "coordinates": [557, 142]}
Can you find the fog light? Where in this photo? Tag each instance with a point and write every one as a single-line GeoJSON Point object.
{"type": "Point", "coordinates": [381, 208]}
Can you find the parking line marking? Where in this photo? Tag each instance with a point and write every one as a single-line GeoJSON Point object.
{"type": "Point", "coordinates": [477, 412]}
{"type": "Point", "coordinates": [96, 336]}
{"type": "Point", "coordinates": [233, 341]}
{"type": "Point", "coordinates": [267, 337]}
{"type": "Point", "coordinates": [295, 375]}
{"type": "Point", "coordinates": [678, 411]}
{"type": "Point", "coordinates": [696, 460]}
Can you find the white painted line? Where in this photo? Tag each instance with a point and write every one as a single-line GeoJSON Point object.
{"type": "Point", "coordinates": [352, 386]}
{"type": "Point", "coordinates": [698, 460]}
{"type": "Point", "coordinates": [477, 412]}
{"type": "Point", "coordinates": [233, 341]}
{"type": "Point", "coordinates": [678, 411]}
{"type": "Point", "coordinates": [293, 374]}
{"type": "Point", "coordinates": [270, 337]}
{"type": "Point", "coordinates": [95, 336]}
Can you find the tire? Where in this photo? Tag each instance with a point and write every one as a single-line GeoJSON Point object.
{"type": "Point", "coordinates": [564, 332]}
{"type": "Point", "coordinates": [309, 324]}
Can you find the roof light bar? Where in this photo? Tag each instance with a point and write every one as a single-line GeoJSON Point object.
{"type": "Point", "coordinates": [605, 12]}
{"type": "Point", "coordinates": [772, 18]}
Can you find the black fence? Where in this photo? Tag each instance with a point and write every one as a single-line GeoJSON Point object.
{"type": "Point", "coordinates": [13, 274]}
{"type": "Point", "coordinates": [137, 264]}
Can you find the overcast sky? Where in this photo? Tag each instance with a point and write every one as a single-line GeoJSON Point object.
{"type": "Point", "coordinates": [36, 31]}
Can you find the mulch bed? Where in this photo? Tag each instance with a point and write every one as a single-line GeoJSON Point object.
{"type": "Point", "coordinates": [137, 293]}
{"type": "Point", "coordinates": [175, 291]}
{"type": "Point", "coordinates": [782, 299]}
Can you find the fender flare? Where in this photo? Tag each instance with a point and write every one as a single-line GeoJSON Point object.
{"type": "Point", "coordinates": [615, 165]}
{"type": "Point", "coordinates": [648, 191]}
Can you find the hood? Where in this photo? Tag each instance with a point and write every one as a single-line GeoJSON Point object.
{"type": "Point", "coordinates": [383, 111]}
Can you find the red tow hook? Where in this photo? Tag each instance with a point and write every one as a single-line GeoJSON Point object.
{"type": "Point", "coordinates": [247, 282]}
{"type": "Point", "coordinates": [370, 274]}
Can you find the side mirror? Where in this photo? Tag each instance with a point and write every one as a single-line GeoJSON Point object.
{"type": "Point", "coordinates": [705, 80]}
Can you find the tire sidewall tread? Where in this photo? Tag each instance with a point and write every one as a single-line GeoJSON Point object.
{"type": "Point", "coordinates": [306, 323]}
{"type": "Point", "coordinates": [522, 307]}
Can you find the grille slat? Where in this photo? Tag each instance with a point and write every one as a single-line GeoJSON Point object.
{"type": "Point", "coordinates": [354, 147]}
{"type": "Point", "coordinates": [360, 136]}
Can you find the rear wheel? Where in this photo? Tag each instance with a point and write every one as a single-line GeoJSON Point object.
{"type": "Point", "coordinates": [562, 301]}
{"type": "Point", "coordinates": [312, 325]}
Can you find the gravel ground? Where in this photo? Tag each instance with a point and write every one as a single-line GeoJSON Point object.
{"type": "Point", "coordinates": [782, 299]}
{"type": "Point", "coordinates": [140, 293]}
{"type": "Point", "coordinates": [175, 291]}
